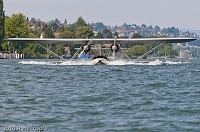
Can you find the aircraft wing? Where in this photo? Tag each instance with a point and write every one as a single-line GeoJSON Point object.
{"type": "Point", "coordinates": [102, 41]}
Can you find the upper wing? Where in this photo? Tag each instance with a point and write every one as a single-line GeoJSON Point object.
{"type": "Point", "coordinates": [155, 40]}
{"type": "Point", "coordinates": [103, 41]}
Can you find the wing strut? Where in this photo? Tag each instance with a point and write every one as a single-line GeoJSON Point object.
{"type": "Point", "coordinates": [149, 51]}
{"type": "Point", "coordinates": [124, 52]}
{"type": "Point", "coordinates": [50, 51]}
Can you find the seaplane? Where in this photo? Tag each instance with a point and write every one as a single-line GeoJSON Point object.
{"type": "Point", "coordinates": [84, 51]}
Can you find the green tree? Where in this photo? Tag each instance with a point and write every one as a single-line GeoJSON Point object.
{"type": "Point", "coordinates": [98, 26]}
{"type": "Point", "coordinates": [2, 20]}
{"type": "Point", "coordinates": [38, 24]}
{"type": "Point", "coordinates": [16, 26]}
{"type": "Point", "coordinates": [79, 23]}
{"type": "Point", "coordinates": [157, 28]}
{"type": "Point", "coordinates": [59, 49]}
{"type": "Point", "coordinates": [124, 37]}
{"type": "Point", "coordinates": [53, 25]}
{"type": "Point", "coordinates": [67, 34]}
{"type": "Point", "coordinates": [167, 50]}
{"type": "Point", "coordinates": [107, 33]}
{"type": "Point", "coordinates": [137, 51]}
{"type": "Point", "coordinates": [62, 29]}
{"type": "Point", "coordinates": [31, 35]}
{"type": "Point", "coordinates": [84, 32]}
{"type": "Point", "coordinates": [48, 33]}
{"type": "Point", "coordinates": [36, 31]}
{"type": "Point", "coordinates": [150, 27]}
{"type": "Point", "coordinates": [33, 51]}
{"type": "Point", "coordinates": [151, 36]}
{"type": "Point", "coordinates": [99, 35]}
{"type": "Point", "coordinates": [143, 26]}
{"type": "Point", "coordinates": [137, 35]}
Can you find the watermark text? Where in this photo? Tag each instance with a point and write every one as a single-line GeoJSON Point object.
{"type": "Point", "coordinates": [25, 129]}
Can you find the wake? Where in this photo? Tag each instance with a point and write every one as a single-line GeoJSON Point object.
{"type": "Point", "coordinates": [117, 62]}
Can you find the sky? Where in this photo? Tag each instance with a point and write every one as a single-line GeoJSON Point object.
{"type": "Point", "coordinates": [182, 14]}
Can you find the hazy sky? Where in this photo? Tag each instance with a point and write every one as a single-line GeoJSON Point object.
{"type": "Point", "coordinates": [182, 14]}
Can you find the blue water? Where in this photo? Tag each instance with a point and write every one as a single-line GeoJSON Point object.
{"type": "Point", "coordinates": [72, 98]}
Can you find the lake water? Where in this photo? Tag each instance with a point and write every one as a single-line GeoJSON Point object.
{"type": "Point", "coordinates": [41, 95]}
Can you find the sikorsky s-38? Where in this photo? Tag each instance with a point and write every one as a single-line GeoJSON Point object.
{"type": "Point", "coordinates": [84, 51]}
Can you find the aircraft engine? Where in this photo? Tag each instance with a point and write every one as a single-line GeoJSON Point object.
{"type": "Point", "coordinates": [86, 48]}
{"type": "Point", "coordinates": [114, 47]}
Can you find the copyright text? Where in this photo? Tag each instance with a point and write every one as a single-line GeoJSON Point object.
{"type": "Point", "coordinates": [35, 129]}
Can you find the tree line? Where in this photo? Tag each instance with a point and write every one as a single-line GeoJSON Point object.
{"type": "Point", "coordinates": [16, 25]}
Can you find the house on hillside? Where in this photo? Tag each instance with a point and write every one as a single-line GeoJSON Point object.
{"type": "Point", "coordinates": [35, 24]}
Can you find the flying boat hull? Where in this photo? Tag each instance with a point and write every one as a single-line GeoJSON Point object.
{"type": "Point", "coordinates": [100, 60]}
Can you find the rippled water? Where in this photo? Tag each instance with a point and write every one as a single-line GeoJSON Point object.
{"type": "Point", "coordinates": [37, 94]}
